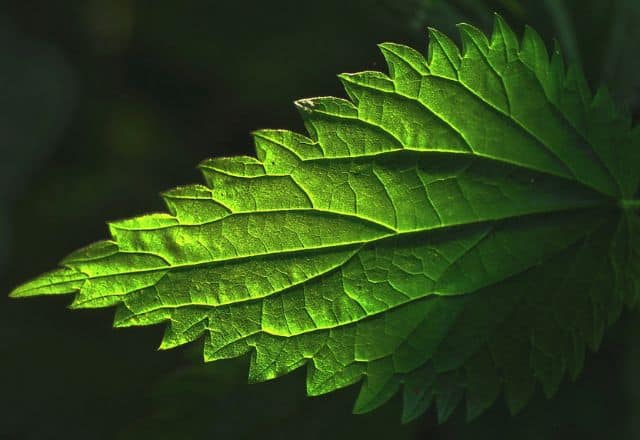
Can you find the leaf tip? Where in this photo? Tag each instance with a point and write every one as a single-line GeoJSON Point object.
{"type": "Point", "coordinates": [499, 21]}
{"type": "Point", "coordinates": [16, 292]}
{"type": "Point", "coordinates": [346, 79]}
{"type": "Point", "coordinates": [305, 105]}
{"type": "Point", "coordinates": [59, 281]}
{"type": "Point", "coordinates": [384, 46]}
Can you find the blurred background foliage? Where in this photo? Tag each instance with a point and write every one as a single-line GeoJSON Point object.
{"type": "Point", "coordinates": [104, 103]}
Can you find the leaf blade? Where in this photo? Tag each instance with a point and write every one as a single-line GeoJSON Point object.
{"type": "Point", "coordinates": [431, 232]}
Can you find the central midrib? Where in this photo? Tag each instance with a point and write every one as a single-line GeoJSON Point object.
{"type": "Point", "coordinates": [588, 205]}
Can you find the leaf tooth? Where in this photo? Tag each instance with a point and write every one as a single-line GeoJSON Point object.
{"type": "Point", "coordinates": [301, 147]}
{"type": "Point", "coordinates": [183, 327]}
{"type": "Point", "coordinates": [448, 391]}
{"type": "Point", "coordinates": [504, 37]}
{"type": "Point", "coordinates": [576, 357]}
{"type": "Point", "coordinates": [548, 356]}
{"type": "Point", "coordinates": [608, 127]}
{"type": "Point", "coordinates": [123, 231]}
{"type": "Point", "coordinates": [89, 297]}
{"type": "Point", "coordinates": [615, 310]}
{"type": "Point", "coordinates": [128, 317]}
{"type": "Point", "coordinates": [217, 179]}
{"type": "Point", "coordinates": [407, 67]}
{"type": "Point", "coordinates": [418, 392]}
{"type": "Point", "coordinates": [404, 63]}
{"type": "Point", "coordinates": [274, 359]}
{"type": "Point", "coordinates": [379, 385]}
{"type": "Point", "coordinates": [473, 39]}
{"type": "Point", "coordinates": [508, 348]}
{"type": "Point", "coordinates": [380, 107]}
{"type": "Point", "coordinates": [260, 193]}
{"type": "Point", "coordinates": [327, 104]}
{"type": "Point", "coordinates": [603, 101]}
{"type": "Point", "coordinates": [94, 251]}
{"type": "Point", "coordinates": [215, 352]}
{"type": "Point", "coordinates": [576, 81]}
{"type": "Point", "coordinates": [483, 384]}
{"type": "Point", "coordinates": [229, 341]}
{"type": "Point", "coordinates": [518, 389]}
{"type": "Point", "coordinates": [325, 381]}
{"type": "Point", "coordinates": [147, 222]}
{"type": "Point", "coordinates": [240, 166]}
{"type": "Point", "coordinates": [216, 171]}
{"type": "Point", "coordinates": [443, 55]}
{"type": "Point", "coordinates": [535, 55]}
{"type": "Point", "coordinates": [335, 124]}
{"type": "Point", "coordinates": [114, 288]}
{"type": "Point", "coordinates": [241, 189]}
{"type": "Point", "coordinates": [333, 365]}
{"type": "Point", "coordinates": [354, 82]}
{"type": "Point", "coordinates": [193, 204]}
{"type": "Point", "coordinates": [558, 68]}
{"type": "Point", "coordinates": [278, 152]}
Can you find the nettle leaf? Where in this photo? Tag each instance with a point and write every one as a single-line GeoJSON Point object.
{"type": "Point", "coordinates": [461, 227]}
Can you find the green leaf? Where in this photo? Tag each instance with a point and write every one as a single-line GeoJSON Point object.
{"type": "Point", "coordinates": [463, 227]}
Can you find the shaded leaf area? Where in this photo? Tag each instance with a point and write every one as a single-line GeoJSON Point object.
{"type": "Point", "coordinates": [279, 409]}
{"type": "Point", "coordinates": [214, 392]}
{"type": "Point", "coordinates": [455, 230]}
{"type": "Point", "coordinates": [602, 54]}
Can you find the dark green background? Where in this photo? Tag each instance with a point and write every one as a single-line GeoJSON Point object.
{"type": "Point", "coordinates": [105, 103]}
